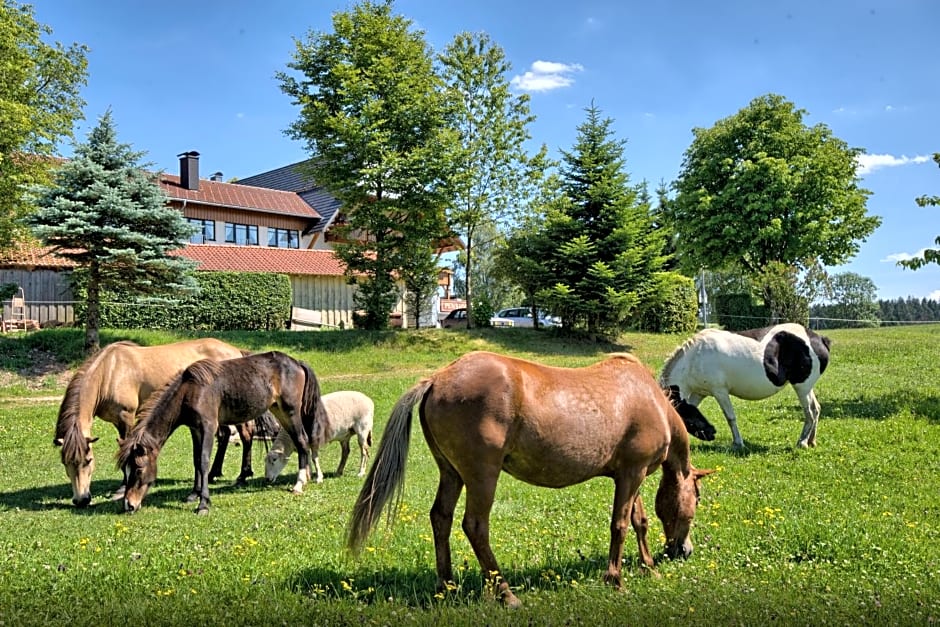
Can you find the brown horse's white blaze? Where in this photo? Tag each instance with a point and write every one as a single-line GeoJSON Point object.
{"type": "Point", "coordinates": [554, 427]}
{"type": "Point", "coordinates": [751, 365]}
{"type": "Point", "coordinates": [210, 393]}
{"type": "Point", "coordinates": [113, 384]}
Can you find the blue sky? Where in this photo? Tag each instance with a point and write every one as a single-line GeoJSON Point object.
{"type": "Point", "coordinates": [200, 76]}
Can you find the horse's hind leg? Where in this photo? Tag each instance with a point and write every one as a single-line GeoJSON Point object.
{"type": "Point", "coordinates": [442, 521]}
{"type": "Point", "coordinates": [246, 432]}
{"type": "Point", "coordinates": [811, 412]}
{"type": "Point", "coordinates": [222, 437]}
{"type": "Point", "coordinates": [363, 452]}
{"type": "Point", "coordinates": [344, 447]}
{"type": "Point", "coordinates": [476, 524]}
{"type": "Point", "coordinates": [724, 401]}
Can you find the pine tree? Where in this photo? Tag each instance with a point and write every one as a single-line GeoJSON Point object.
{"type": "Point", "coordinates": [109, 216]}
{"type": "Point", "coordinates": [608, 245]}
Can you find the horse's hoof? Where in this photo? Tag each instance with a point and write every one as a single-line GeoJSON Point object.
{"type": "Point", "coordinates": [296, 491]}
{"type": "Point", "coordinates": [192, 498]}
{"type": "Point", "coordinates": [511, 601]}
{"type": "Point", "coordinates": [202, 511]}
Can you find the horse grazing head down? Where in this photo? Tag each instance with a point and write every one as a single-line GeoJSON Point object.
{"type": "Point", "coordinates": [137, 457]}
{"type": "Point", "coordinates": [694, 420]}
{"type": "Point", "coordinates": [676, 501]}
{"type": "Point", "coordinates": [79, 462]}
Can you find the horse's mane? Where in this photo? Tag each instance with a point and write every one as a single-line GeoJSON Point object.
{"type": "Point", "coordinates": [679, 353]}
{"type": "Point", "coordinates": [67, 427]}
{"type": "Point", "coordinates": [203, 372]}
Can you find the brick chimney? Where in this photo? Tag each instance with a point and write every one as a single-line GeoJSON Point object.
{"type": "Point", "coordinates": [189, 170]}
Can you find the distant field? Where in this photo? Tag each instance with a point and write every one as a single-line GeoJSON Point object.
{"type": "Point", "coordinates": [846, 533]}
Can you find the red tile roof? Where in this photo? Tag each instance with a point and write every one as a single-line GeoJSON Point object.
{"type": "Point", "coordinates": [218, 194]}
{"type": "Point", "coordinates": [264, 259]}
{"type": "Point", "coordinates": [32, 255]}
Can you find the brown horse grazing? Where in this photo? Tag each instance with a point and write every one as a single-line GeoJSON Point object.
{"type": "Point", "coordinates": [551, 427]}
{"type": "Point", "coordinates": [209, 394]}
{"type": "Point", "coordinates": [113, 384]}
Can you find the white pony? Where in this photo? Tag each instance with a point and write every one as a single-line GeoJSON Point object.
{"type": "Point", "coordinates": [751, 365]}
{"type": "Point", "coordinates": [350, 413]}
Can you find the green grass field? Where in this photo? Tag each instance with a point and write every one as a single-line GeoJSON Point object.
{"type": "Point", "coordinates": [846, 533]}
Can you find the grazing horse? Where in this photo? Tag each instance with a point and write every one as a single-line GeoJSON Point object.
{"type": "Point", "coordinates": [751, 365]}
{"type": "Point", "coordinates": [552, 427]}
{"type": "Point", "coordinates": [350, 413]}
{"type": "Point", "coordinates": [209, 394]}
{"type": "Point", "coordinates": [113, 384]}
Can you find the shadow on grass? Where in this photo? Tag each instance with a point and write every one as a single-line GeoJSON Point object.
{"type": "Point", "coordinates": [917, 402]}
{"type": "Point", "coordinates": [417, 587]}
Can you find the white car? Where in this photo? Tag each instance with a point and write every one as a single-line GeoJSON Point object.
{"type": "Point", "coordinates": [457, 319]}
{"type": "Point", "coordinates": [522, 317]}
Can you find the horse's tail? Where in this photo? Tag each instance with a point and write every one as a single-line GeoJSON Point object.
{"type": "Point", "coordinates": [313, 414]}
{"type": "Point", "coordinates": [386, 478]}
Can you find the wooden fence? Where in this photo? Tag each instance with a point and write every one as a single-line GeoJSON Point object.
{"type": "Point", "coordinates": [47, 293]}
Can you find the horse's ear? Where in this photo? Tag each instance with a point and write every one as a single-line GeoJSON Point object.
{"type": "Point", "coordinates": [698, 473]}
{"type": "Point", "coordinates": [57, 442]}
{"type": "Point", "coordinates": [92, 440]}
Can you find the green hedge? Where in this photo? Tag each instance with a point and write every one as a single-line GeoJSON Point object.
{"type": "Point", "coordinates": [227, 301]}
{"type": "Point", "coordinates": [671, 306]}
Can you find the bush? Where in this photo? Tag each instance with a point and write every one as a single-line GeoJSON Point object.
{"type": "Point", "coordinates": [736, 312]}
{"type": "Point", "coordinates": [671, 306]}
{"type": "Point", "coordinates": [226, 301]}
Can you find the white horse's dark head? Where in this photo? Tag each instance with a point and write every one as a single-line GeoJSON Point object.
{"type": "Point", "coordinates": [694, 420]}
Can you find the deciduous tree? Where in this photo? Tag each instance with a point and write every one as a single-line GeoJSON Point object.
{"type": "Point", "coordinates": [103, 211]}
{"type": "Point", "coordinates": [760, 187]}
{"type": "Point", "coordinates": [930, 255]}
{"type": "Point", "coordinates": [492, 166]}
{"type": "Point", "coordinates": [372, 114]}
{"type": "Point", "coordinates": [39, 103]}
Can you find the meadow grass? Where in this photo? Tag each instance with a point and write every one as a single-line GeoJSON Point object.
{"type": "Point", "coordinates": [845, 533]}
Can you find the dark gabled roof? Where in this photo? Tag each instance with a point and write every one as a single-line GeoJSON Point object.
{"type": "Point", "coordinates": [289, 178]}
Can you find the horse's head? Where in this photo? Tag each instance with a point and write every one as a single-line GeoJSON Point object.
{"type": "Point", "coordinates": [694, 420]}
{"type": "Point", "coordinates": [79, 462]}
{"type": "Point", "coordinates": [274, 463]}
{"type": "Point", "coordinates": [139, 463]}
{"type": "Point", "coordinates": [676, 502]}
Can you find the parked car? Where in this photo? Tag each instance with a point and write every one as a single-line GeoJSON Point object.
{"type": "Point", "coordinates": [522, 317]}
{"type": "Point", "coordinates": [457, 319]}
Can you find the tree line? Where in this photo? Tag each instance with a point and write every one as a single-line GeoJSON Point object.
{"type": "Point", "coordinates": [423, 146]}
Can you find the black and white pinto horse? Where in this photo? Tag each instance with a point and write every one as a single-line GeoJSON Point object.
{"type": "Point", "coordinates": [751, 365]}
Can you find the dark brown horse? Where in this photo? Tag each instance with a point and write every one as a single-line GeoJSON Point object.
{"type": "Point", "coordinates": [212, 393]}
{"type": "Point", "coordinates": [113, 384]}
{"type": "Point", "coordinates": [552, 427]}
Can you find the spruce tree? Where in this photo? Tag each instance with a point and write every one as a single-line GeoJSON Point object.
{"type": "Point", "coordinates": [104, 212]}
{"type": "Point", "coordinates": [608, 244]}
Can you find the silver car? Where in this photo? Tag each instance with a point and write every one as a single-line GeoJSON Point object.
{"type": "Point", "coordinates": [522, 317]}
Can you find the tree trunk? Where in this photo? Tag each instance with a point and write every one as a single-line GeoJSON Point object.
{"type": "Point", "coordinates": [469, 282]}
{"type": "Point", "coordinates": [93, 311]}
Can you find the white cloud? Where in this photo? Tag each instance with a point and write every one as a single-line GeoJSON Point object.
{"type": "Point", "coordinates": [546, 76]}
{"type": "Point", "coordinates": [896, 257]}
{"type": "Point", "coordinates": [934, 295]}
{"type": "Point", "coordinates": [869, 163]}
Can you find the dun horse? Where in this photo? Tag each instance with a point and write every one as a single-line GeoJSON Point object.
{"type": "Point", "coordinates": [212, 393]}
{"type": "Point", "coordinates": [112, 385]}
{"type": "Point", "coordinates": [752, 365]}
{"type": "Point", "coordinates": [551, 427]}
{"type": "Point", "coordinates": [351, 413]}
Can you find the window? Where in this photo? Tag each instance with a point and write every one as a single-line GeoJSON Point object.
{"type": "Point", "coordinates": [241, 234]}
{"type": "Point", "coordinates": [206, 232]}
{"type": "Point", "coordinates": [283, 238]}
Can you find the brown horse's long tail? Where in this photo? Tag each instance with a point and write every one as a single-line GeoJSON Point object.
{"type": "Point", "coordinates": [386, 478]}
